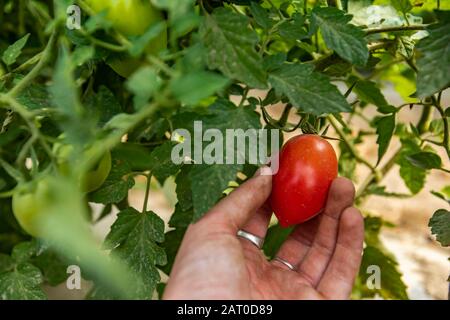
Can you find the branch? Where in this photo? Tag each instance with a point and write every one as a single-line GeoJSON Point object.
{"type": "Point", "coordinates": [396, 29]}
{"type": "Point", "coordinates": [349, 145]}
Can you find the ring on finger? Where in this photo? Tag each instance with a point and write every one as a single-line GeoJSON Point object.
{"type": "Point", "coordinates": [254, 239]}
{"type": "Point", "coordinates": [286, 263]}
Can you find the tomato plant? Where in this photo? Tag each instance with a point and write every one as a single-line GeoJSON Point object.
{"type": "Point", "coordinates": [308, 166]}
{"type": "Point", "coordinates": [371, 75]}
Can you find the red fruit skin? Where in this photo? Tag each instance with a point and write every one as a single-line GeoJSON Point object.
{"type": "Point", "coordinates": [307, 167]}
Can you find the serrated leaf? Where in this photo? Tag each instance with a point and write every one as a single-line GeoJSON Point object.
{"type": "Point", "coordinates": [260, 15]}
{"type": "Point", "coordinates": [116, 186]}
{"type": "Point", "coordinates": [339, 35]}
{"type": "Point", "coordinates": [369, 92]}
{"type": "Point", "coordinates": [308, 90]}
{"type": "Point", "coordinates": [392, 286]}
{"type": "Point", "coordinates": [134, 237]}
{"type": "Point", "coordinates": [425, 160]}
{"type": "Point", "coordinates": [183, 190]}
{"type": "Point", "coordinates": [23, 283]}
{"type": "Point", "coordinates": [433, 60]}
{"type": "Point", "coordinates": [440, 226]}
{"type": "Point", "coordinates": [161, 164]}
{"type": "Point", "coordinates": [385, 130]}
{"type": "Point", "coordinates": [15, 50]}
{"type": "Point", "coordinates": [215, 179]}
{"type": "Point", "coordinates": [413, 177]}
{"type": "Point", "coordinates": [231, 47]}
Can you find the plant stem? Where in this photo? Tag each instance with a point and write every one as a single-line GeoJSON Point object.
{"type": "Point", "coordinates": [46, 56]}
{"type": "Point", "coordinates": [348, 144]}
{"type": "Point", "coordinates": [373, 177]}
{"type": "Point", "coordinates": [446, 140]}
{"type": "Point", "coordinates": [425, 119]}
{"type": "Point", "coordinates": [147, 192]}
{"type": "Point", "coordinates": [396, 28]}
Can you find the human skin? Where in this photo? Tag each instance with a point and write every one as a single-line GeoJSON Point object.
{"type": "Point", "coordinates": [213, 263]}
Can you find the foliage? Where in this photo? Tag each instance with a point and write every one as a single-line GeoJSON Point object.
{"type": "Point", "coordinates": [326, 63]}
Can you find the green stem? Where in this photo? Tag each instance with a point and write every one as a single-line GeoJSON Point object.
{"type": "Point", "coordinates": [372, 177]}
{"type": "Point", "coordinates": [446, 140]}
{"type": "Point", "coordinates": [425, 119]}
{"type": "Point", "coordinates": [348, 144]}
{"type": "Point", "coordinates": [147, 192]}
{"type": "Point", "coordinates": [160, 64]}
{"type": "Point", "coordinates": [46, 56]}
{"type": "Point", "coordinates": [396, 29]}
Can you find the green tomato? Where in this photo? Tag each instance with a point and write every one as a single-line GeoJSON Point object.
{"type": "Point", "coordinates": [131, 18]}
{"type": "Point", "coordinates": [30, 202]}
{"type": "Point", "coordinates": [92, 179]}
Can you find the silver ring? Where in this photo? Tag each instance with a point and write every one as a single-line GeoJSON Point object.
{"type": "Point", "coordinates": [257, 241]}
{"type": "Point", "coordinates": [287, 264]}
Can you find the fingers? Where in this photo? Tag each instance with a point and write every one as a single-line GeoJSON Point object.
{"type": "Point", "coordinates": [314, 263]}
{"type": "Point", "coordinates": [338, 279]}
{"type": "Point", "coordinates": [296, 246]}
{"type": "Point", "coordinates": [240, 205]}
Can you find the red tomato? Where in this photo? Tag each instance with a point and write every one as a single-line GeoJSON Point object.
{"type": "Point", "coordinates": [308, 165]}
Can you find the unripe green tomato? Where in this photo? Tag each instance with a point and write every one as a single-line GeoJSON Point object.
{"type": "Point", "coordinates": [131, 18]}
{"type": "Point", "coordinates": [29, 203]}
{"type": "Point", "coordinates": [91, 180]}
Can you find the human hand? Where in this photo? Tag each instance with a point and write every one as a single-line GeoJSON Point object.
{"type": "Point", "coordinates": [213, 263]}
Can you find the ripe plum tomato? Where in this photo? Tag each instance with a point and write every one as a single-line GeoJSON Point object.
{"type": "Point", "coordinates": [307, 167]}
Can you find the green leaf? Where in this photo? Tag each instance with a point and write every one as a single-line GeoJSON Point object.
{"type": "Point", "coordinates": [392, 286]}
{"type": "Point", "coordinates": [425, 160]}
{"type": "Point", "coordinates": [183, 190]}
{"type": "Point", "coordinates": [15, 50]}
{"type": "Point", "coordinates": [23, 283]}
{"type": "Point", "coordinates": [116, 186]}
{"type": "Point", "coordinates": [433, 60]}
{"type": "Point", "coordinates": [276, 235]}
{"type": "Point", "coordinates": [214, 180]}
{"type": "Point", "coordinates": [368, 92]}
{"type": "Point", "coordinates": [34, 97]}
{"type": "Point", "coordinates": [339, 35]}
{"type": "Point", "coordinates": [440, 226]}
{"type": "Point", "coordinates": [403, 6]}
{"type": "Point", "coordinates": [102, 105]}
{"type": "Point", "coordinates": [308, 90]}
{"type": "Point", "coordinates": [52, 266]}
{"type": "Point", "coordinates": [171, 246]}
{"type": "Point", "coordinates": [260, 15]}
{"type": "Point", "coordinates": [161, 164]}
{"type": "Point", "coordinates": [193, 87]}
{"type": "Point", "coordinates": [144, 83]}
{"type": "Point", "coordinates": [231, 47]}
{"type": "Point", "coordinates": [181, 218]}
{"type": "Point", "coordinates": [413, 176]}
{"type": "Point", "coordinates": [134, 237]}
{"type": "Point", "coordinates": [6, 263]}
{"type": "Point", "coordinates": [385, 129]}
{"type": "Point", "coordinates": [23, 251]}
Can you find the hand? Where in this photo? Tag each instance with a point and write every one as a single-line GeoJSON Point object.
{"type": "Point", "coordinates": [213, 263]}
